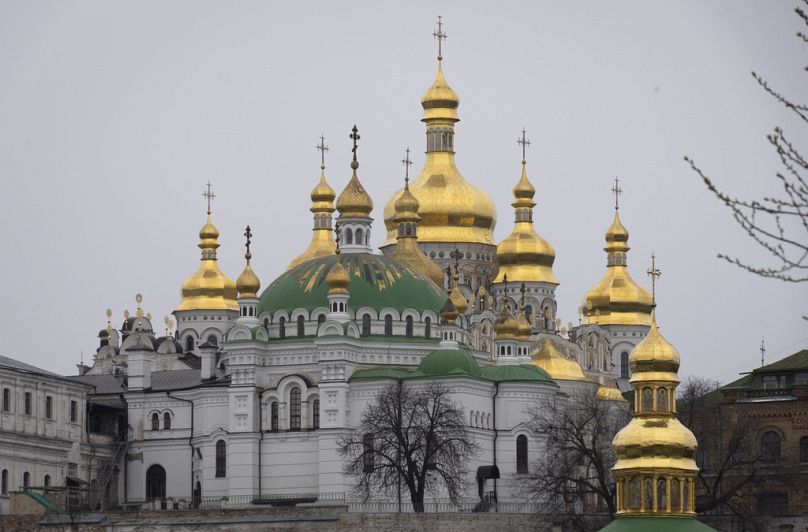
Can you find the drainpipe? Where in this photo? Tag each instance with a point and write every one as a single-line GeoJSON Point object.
{"type": "Point", "coordinates": [261, 437]}
{"type": "Point", "coordinates": [190, 438]}
{"type": "Point", "coordinates": [496, 433]}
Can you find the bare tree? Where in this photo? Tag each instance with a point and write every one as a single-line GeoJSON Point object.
{"type": "Point", "coordinates": [574, 478]}
{"type": "Point", "coordinates": [779, 224]}
{"type": "Point", "coordinates": [412, 434]}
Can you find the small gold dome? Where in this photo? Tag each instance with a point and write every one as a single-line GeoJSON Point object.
{"type": "Point", "coordinates": [322, 240]}
{"type": "Point", "coordinates": [506, 326]}
{"type": "Point", "coordinates": [654, 358]}
{"type": "Point", "coordinates": [448, 313]}
{"type": "Point", "coordinates": [556, 365]}
{"type": "Point", "coordinates": [524, 329]}
{"type": "Point", "coordinates": [209, 288]}
{"type": "Point", "coordinates": [440, 101]}
{"type": "Point", "coordinates": [407, 250]}
{"type": "Point", "coordinates": [248, 283]}
{"type": "Point", "coordinates": [458, 299]}
{"type": "Point", "coordinates": [338, 279]}
{"type": "Point", "coordinates": [322, 196]}
{"type": "Point", "coordinates": [655, 443]}
{"type": "Point", "coordinates": [618, 299]}
{"type": "Point", "coordinates": [609, 393]}
{"type": "Point", "coordinates": [354, 200]}
{"type": "Point", "coordinates": [406, 207]}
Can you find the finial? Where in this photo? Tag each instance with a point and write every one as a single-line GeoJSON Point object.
{"type": "Point", "coordinates": [654, 273]}
{"type": "Point", "coordinates": [616, 190]}
{"type": "Point", "coordinates": [168, 323]}
{"type": "Point", "coordinates": [762, 352]}
{"type": "Point", "coordinates": [449, 279]}
{"type": "Point", "coordinates": [208, 194]}
{"type": "Point", "coordinates": [440, 36]}
{"type": "Point", "coordinates": [407, 163]}
{"type": "Point", "coordinates": [109, 320]}
{"type": "Point", "coordinates": [139, 311]}
{"type": "Point", "coordinates": [524, 142]}
{"type": "Point", "coordinates": [522, 290]}
{"type": "Point", "coordinates": [248, 236]}
{"type": "Point", "coordinates": [81, 361]}
{"type": "Point", "coordinates": [322, 148]}
{"type": "Point", "coordinates": [126, 314]}
{"type": "Point", "coordinates": [336, 237]}
{"type": "Point", "coordinates": [456, 255]}
{"type": "Point", "coordinates": [355, 137]}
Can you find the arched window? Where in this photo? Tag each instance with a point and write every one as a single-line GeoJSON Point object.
{"type": "Point", "coordinates": [624, 365]}
{"type": "Point", "coordinates": [294, 409]}
{"type": "Point", "coordinates": [647, 400]}
{"type": "Point", "coordinates": [521, 454]}
{"type": "Point", "coordinates": [4, 482]}
{"type": "Point", "coordinates": [635, 494]}
{"type": "Point", "coordinates": [46, 480]}
{"type": "Point", "coordinates": [661, 497]}
{"type": "Point", "coordinates": [388, 325]}
{"type": "Point", "coordinates": [428, 327]}
{"type": "Point", "coordinates": [686, 496]}
{"type": "Point", "coordinates": [26, 479]}
{"type": "Point", "coordinates": [408, 326]}
{"type": "Point", "coordinates": [273, 416]}
{"type": "Point", "coordinates": [221, 459]}
{"type": "Point", "coordinates": [662, 400]}
{"type": "Point", "coordinates": [675, 504]}
{"type": "Point", "coordinates": [166, 421]}
{"type": "Point", "coordinates": [266, 324]}
{"type": "Point", "coordinates": [804, 449]}
{"type": "Point", "coordinates": [368, 460]}
{"type": "Point", "coordinates": [359, 236]}
{"type": "Point", "coordinates": [212, 340]}
{"type": "Point", "coordinates": [301, 326]}
{"type": "Point", "coordinates": [156, 482]}
{"type": "Point", "coordinates": [320, 319]}
{"type": "Point", "coordinates": [348, 236]}
{"type": "Point", "coordinates": [189, 343]}
{"type": "Point", "coordinates": [649, 494]}
{"type": "Point", "coordinates": [315, 414]}
{"type": "Point", "coordinates": [366, 325]}
{"type": "Point", "coordinates": [155, 421]}
{"type": "Point", "coordinates": [282, 327]}
{"type": "Point", "coordinates": [770, 447]}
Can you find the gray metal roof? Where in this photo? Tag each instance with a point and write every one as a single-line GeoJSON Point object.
{"type": "Point", "coordinates": [104, 383]}
{"type": "Point", "coordinates": [183, 378]}
{"type": "Point", "coordinates": [22, 366]}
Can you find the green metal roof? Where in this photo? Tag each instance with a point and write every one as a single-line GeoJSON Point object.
{"type": "Point", "coordinates": [520, 373]}
{"type": "Point", "coordinates": [444, 362]}
{"type": "Point", "coordinates": [656, 524]}
{"type": "Point", "coordinates": [376, 281]}
{"type": "Point", "coordinates": [796, 362]}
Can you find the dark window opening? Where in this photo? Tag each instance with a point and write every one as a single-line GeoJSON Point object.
{"type": "Point", "coordinates": [156, 482]}
{"type": "Point", "coordinates": [74, 410]}
{"type": "Point", "coordinates": [6, 400]}
{"type": "Point", "coordinates": [770, 447]}
{"type": "Point", "coordinates": [521, 454]}
{"type": "Point", "coordinates": [49, 407]}
{"type": "Point", "coordinates": [294, 409]}
{"type": "Point", "coordinates": [155, 421]}
{"type": "Point", "coordinates": [368, 460]}
{"type": "Point", "coordinates": [388, 325]}
{"type": "Point", "coordinates": [282, 327]}
{"type": "Point", "coordinates": [428, 327]}
{"type": "Point", "coordinates": [189, 343]}
{"type": "Point", "coordinates": [273, 416]}
{"type": "Point", "coordinates": [221, 459]}
{"type": "Point", "coordinates": [624, 365]}
{"type": "Point", "coordinates": [167, 421]}
{"type": "Point", "coordinates": [27, 403]}
{"type": "Point", "coordinates": [408, 326]}
{"type": "Point", "coordinates": [366, 325]}
{"type": "Point", "coordinates": [301, 326]}
{"type": "Point", "coordinates": [315, 415]}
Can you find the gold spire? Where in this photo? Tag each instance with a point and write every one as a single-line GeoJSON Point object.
{"type": "Point", "coordinates": [618, 299]}
{"type": "Point", "coordinates": [555, 364]}
{"type": "Point", "coordinates": [451, 209]}
{"type": "Point", "coordinates": [354, 200]}
{"type": "Point", "coordinates": [524, 255]}
{"type": "Point", "coordinates": [337, 278]}
{"type": "Point", "coordinates": [248, 283]}
{"type": "Point", "coordinates": [208, 288]}
{"type": "Point", "coordinates": [407, 218]}
{"type": "Point", "coordinates": [322, 206]}
{"type": "Point", "coordinates": [655, 465]}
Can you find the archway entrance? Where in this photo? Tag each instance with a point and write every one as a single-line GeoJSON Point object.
{"type": "Point", "coordinates": [156, 484]}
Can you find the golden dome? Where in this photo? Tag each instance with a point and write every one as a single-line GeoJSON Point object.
{"type": "Point", "coordinates": [655, 443]}
{"type": "Point", "coordinates": [506, 326]}
{"type": "Point", "coordinates": [209, 288]}
{"type": "Point", "coordinates": [322, 240]}
{"type": "Point", "coordinates": [451, 209]}
{"type": "Point", "coordinates": [524, 255]}
{"type": "Point", "coordinates": [448, 313]}
{"type": "Point", "coordinates": [458, 299]}
{"type": "Point", "coordinates": [248, 283]}
{"type": "Point", "coordinates": [654, 358]}
{"type": "Point", "coordinates": [338, 279]}
{"type": "Point", "coordinates": [407, 250]}
{"type": "Point", "coordinates": [524, 329]}
{"type": "Point", "coordinates": [618, 299]}
{"type": "Point", "coordinates": [556, 365]}
{"type": "Point", "coordinates": [609, 393]}
{"type": "Point", "coordinates": [354, 200]}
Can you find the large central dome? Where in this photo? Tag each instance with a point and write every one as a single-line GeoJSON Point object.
{"type": "Point", "coordinates": [451, 209]}
{"type": "Point", "coordinates": [376, 281]}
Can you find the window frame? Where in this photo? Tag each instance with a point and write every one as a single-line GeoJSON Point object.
{"type": "Point", "coordinates": [521, 455]}
{"type": "Point", "coordinates": [221, 459]}
{"type": "Point", "coordinates": [295, 421]}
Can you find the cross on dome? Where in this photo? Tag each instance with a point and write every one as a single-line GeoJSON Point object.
{"type": "Point", "coordinates": [524, 142]}
{"type": "Point", "coordinates": [248, 235]}
{"type": "Point", "coordinates": [654, 273]}
{"type": "Point", "coordinates": [322, 148]}
{"type": "Point", "coordinates": [440, 36]}
{"type": "Point", "coordinates": [616, 190]}
{"type": "Point", "coordinates": [407, 163]}
{"type": "Point", "coordinates": [208, 194]}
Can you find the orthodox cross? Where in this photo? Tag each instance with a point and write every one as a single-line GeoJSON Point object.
{"type": "Point", "coordinates": [248, 235]}
{"type": "Point", "coordinates": [208, 194]}
{"type": "Point", "coordinates": [354, 136]}
{"type": "Point", "coordinates": [336, 237]}
{"type": "Point", "coordinates": [456, 255]}
{"type": "Point", "coordinates": [654, 273]}
{"type": "Point", "coordinates": [522, 290]}
{"type": "Point", "coordinates": [524, 142]}
{"type": "Point", "coordinates": [762, 351]}
{"type": "Point", "coordinates": [617, 191]}
{"type": "Point", "coordinates": [407, 163]}
{"type": "Point", "coordinates": [440, 36]}
{"type": "Point", "coordinates": [322, 148]}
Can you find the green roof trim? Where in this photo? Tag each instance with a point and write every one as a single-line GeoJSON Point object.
{"type": "Point", "coordinates": [381, 373]}
{"type": "Point", "coordinates": [377, 281]}
{"type": "Point", "coordinates": [656, 524]}
{"type": "Point", "coordinates": [520, 373]}
{"type": "Point", "coordinates": [796, 362]}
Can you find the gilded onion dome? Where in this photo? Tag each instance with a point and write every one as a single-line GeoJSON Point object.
{"type": "Point", "coordinates": [248, 283]}
{"type": "Point", "coordinates": [407, 250]}
{"type": "Point", "coordinates": [338, 279]}
{"type": "Point", "coordinates": [524, 255]}
{"type": "Point", "coordinates": [322, 206]}
{"type": "Point", "coordinates": [506, 325]}
{"type": "Point", "coordinates": [209, 288]}
{"type": "Point", "coordinates": [448, 312]}
{"type": "Point", "coordinates": [655, 465]}
{"type": "Point", "coordinates": [458, 299]}
{"type": "Point", "coordinates": [609, 393]}
{"type": "Point", "coordinates": [354, 199]}
{"type": "Point", "coordinates": [618, 299]}
{"type": "Point", "coordinates": [451, 209]}
{"type": "Point", "coordinates": [556, 365]}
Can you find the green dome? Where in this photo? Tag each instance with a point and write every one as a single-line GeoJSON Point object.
{"type": "Point", "coordinates": [520, 373]}
{"type": "Point", "coordinates": [444, 362]}
{"type": "Point", "coordinates": [376, 282]}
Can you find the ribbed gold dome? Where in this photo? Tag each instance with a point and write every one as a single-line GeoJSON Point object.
{"type": "Point", "coordinates": [609, 393]}
{"type": "Point", "coordinates": [459, 300]}
{"type": "Point", "coordinates": [556, 365]}
{"type": "Point", "coordinates": [406, 207]}
{"type": "Point", "coordinates": [655, 443]}
{"type": "Point", "coordinates": [524, 328]}
{"type": "Point", "coordinates": [506, 326]}
{"type": "Point", "coordinates": [654, 358]}
{"type": "Point", "coordinates": [448, 313]}
{"type": "Point", "coordinates": [248, 283]}
{"type": "Point", "coordinates": [322, 240]}
{"type": "Point", "coordinates": [338, 279]}
{"type": "Point", "coordinates": [524, 255]}
{"type": "Point", "coordinates": [407, 250]}
{"type": "Point", "coordinates": [618, 299]}
{"type": "Point", "coordinates": [209, 288]}
{"type": "Point", "coordinates": [451, 209]}
{"type": "Point", "coordinates": [354, 200]}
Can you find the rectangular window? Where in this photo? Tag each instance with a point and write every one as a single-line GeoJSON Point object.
{"type": "Point", "coordinates": [770, 382]}
{"type": "Point", "coordinates": [72, 470]}
{"type": "Point", "coordinates": [801, 379]}
{"type": "Point", "coordinates": [74, 411]}
{"type": "Point", "coordinates": [49, 407]}
{"type": "Point", "coordinates": [27, 403]}
{"type": "Point", "coordinates": [6, 400]}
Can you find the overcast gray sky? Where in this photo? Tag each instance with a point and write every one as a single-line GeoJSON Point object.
{"type": "Point", "coordinates": [114, 114]}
